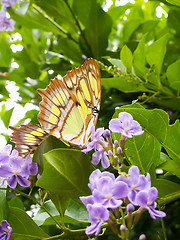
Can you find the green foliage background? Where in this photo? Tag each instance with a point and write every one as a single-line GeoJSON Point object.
{"type": "Point", "coordinates": [139, 56]}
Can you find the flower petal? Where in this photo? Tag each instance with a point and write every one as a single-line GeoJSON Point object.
{"type": "Point", "coordinates": [23, 182]}
{"type": "Point", "coordinates": [142, 199]}
{"type": "Point", "coordinates": [12, 181]}
{"type": "Point", "coordinates": [114, 125]}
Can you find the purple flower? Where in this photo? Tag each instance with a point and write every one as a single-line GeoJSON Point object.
{"type": "Point", "coordinates": [100, 155]}
{"type": "Point", "coordinates": [95, 177]}
{"type": "Point", "coordinates": [7, 24]}
{"type": "Point", "coordinates": [4, 155]}
{"type": "Point", "coordinates": [125, 125]}
{"type": "Point", "coordinates": [5, 230]}
{"type": "Point", "coordinates": [8, 3]}
{"type": "Point", "coordinates": [87, 200]}
{"type": "Point", "coordinates": [33, 168]}
{"type": "Point", "coordinates": [96, 139]}
{"type": "Point", "coordinates": [17, 170]}
{"type": "Point", "coordinates": [97, 215]}
{"type": "Point", "coordinates": [109, 193]}
{"type": "Point", "coordinates": [135, 182]}
{"type": "Point", "coordinates": [145, 199]}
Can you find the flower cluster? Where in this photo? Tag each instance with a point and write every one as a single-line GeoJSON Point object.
{"type": "Point", "coordinates": [109, 193]}
{"type": "Point", "coordinates": [7, 24]}
{"type": "Point", "coordinates": [5, 230]}
{"type": "Point", "coordinates": [14, 169]}
{"type": "Point", "coordinates": [106, 151]}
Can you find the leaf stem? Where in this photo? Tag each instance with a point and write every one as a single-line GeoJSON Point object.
{"type": "Point", "coordinates": [35, 201]}
{"type": "Point", "coordinates": [54, 23]}
{"type": "Point", "coordinates": [163, 228]}
{"type": "Point", "coordinates": [168, 199]}
{"type": "Point", "coordinates": [66, 234]}
{"type": "Point", "coordinates": [78, 25]}
{"type": "Point", "coordinates": [124, 223]}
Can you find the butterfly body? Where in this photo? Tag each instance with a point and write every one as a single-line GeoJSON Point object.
{"type": "Point", "coordinates": [70, 107]}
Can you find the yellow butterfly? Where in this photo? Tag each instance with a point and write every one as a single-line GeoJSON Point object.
{"type": "Point", "coordinates": [68, 110]}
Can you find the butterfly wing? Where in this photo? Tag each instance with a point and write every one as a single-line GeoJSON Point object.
{"type": "Point", "coordinates": [69, 107]}
{"type": "Point", "coordinates": [27, 138]}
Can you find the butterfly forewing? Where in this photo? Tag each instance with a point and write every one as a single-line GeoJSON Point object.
{"type": "Point", "coordinates": [69, 107]}
{"type": "Point", "coordinates": [27, 138]}
{"type": "Point", "coordinates": [68, 110]}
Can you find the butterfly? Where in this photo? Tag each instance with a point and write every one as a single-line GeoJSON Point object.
{"type": "Point", "coordinates": [68, 110]}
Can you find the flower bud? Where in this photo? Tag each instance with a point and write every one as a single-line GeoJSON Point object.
{"type": "Point", "coordinates": [138, 214]}
{"type": "Point", "coordinates": [123, 231]}
{"type": "Point", "coordinates": [119, 150]}
{"type": "Point", "coordinates": [113, 227]}
{"type": "Point", "coordinates": [111, 156]}
{"type": "Point", "coordinates": [130, 209]}
{"type": "Point", "coordinates": [107, 135]}
{"type": "Point", "coordinates": [116, 144]}
{"type": "Point", "coordinates": [122, 141]}
{"type": "Point", "coordinates": [142, 237]}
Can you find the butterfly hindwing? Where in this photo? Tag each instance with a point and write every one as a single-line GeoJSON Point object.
{"type": "Point", "coordinates": [27, 138]}
{"type": "Point", "coordinates": [69, 107]}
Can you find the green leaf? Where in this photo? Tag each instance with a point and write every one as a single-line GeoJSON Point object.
{"type": "Point", "coordinates": [173, 20]}
{"type": "Point", "coordinates": [118, 63]}
{"type": "Point", "coordinates": [126, 57]}
{"type": "Point", "coordinates": [43, 218]}
{"type": "Point", "coordinates": [116, 12]}
{"type": "Point", "coordinates": [16, 202]}
{"type": "Point", "coordinates": [97, 32]}
{"type": "Point", "coordinates": [4, 92]}
{"type": "Point", "coordinates": [128, 29]}
{"type": "Point", "coordinates": [23, 226]}
{"type": "Point", "coordinates": [138, 147]}
{"type": "Point", "coordinates": [156, 52]}
{"type": "Point", "coordinates": [6, 115]}
{"type": "Point", "coordinates": [124, 84]}
{"type": "Point", "coordinates": [173, 73]}
{"type": "Point", "coordinates": [5, 51]}
{"type": "Point", "coordinates": [138, 151]}
{"type": "Point", "coordinates": [171, 166]}
{"type": "Point", "coordinates": [84, 15]}
{"type": "Point", "coordinates": [60, 12]}
{"type": "Point", "coordinates": [174, 2]}
{"type": "Point", "coordinates": [34, 19]}
{"type": "Point", "coordinates": [97, 23]}
{"type": "Point", "coordinates": [76, 212]}
{"type": "Point", "coordinates": [167, 190]}
{"type": "Point", "coordinates": [140, 59]}
{"type": "Point", "coordinates": [48, 144]}
{"type": "Point", "coordinates": [158, 132]}
{"type": "Point", "coordinates": [70, 49]}
{"type": "Point", "coordinates": [31, 42]}
{"type": "Point", "coordinates": [31, 67]}
{"type": "Point", "coordinates": [148, 27]}
{"type": "Point", "coordinates": [66, 173]}
{"type": "Point", "coordinates": [3, 202]}
{"type": "Point", "coordinates": [59, 201]}
{"type": "Point", "coordinates": [24, 7]}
